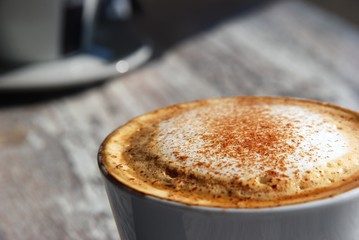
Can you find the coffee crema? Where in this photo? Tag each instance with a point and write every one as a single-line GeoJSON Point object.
{"type": "Point", "coordinates": [238, 152]}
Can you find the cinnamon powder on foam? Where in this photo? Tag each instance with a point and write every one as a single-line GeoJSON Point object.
{"type": "Point", "coordinates": [233, 153]}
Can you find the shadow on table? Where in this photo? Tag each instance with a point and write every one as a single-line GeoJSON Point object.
{"type": "Point", "coordinates": [168, 23]}
{"type": "Point", "coordinates": [165, 23]}
{"type": "Point", "coordinates": [11, 98]}
{"type": "Point", "coordinates": [345, 9]}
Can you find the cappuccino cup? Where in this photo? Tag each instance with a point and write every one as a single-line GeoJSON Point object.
{"type": "Point", "coordinates": [263, 168]}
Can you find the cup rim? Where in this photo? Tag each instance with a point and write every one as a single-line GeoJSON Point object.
{"type": "Point", "coordinates": [339, 199]}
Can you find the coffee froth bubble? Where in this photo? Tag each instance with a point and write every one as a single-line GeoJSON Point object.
{"type": "Point", "coordinates": [238, 152]}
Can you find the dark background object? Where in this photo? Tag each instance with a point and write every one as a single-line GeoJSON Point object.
{"type": "Point", "coordinates": [71, 28]}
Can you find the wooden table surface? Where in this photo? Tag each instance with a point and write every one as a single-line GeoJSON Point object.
{"type": "Point", "coordinates": [50, 186]}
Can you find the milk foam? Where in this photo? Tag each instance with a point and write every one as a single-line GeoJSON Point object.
{"type": "Point", "coordinates": [313, 142]}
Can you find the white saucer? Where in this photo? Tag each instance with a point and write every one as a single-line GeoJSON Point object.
{"type": "Point", "coordinates": [69, 72]}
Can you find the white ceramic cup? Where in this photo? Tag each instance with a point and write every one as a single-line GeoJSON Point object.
{"type": "Point", "coordinates": [143, 217]}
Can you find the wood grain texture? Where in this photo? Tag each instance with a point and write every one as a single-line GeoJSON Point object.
{"type": "Point", "coordinates": [50, 187]}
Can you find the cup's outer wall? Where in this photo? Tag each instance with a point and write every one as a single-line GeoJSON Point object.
{"type": "Point", "coordinates": [142, 218]}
